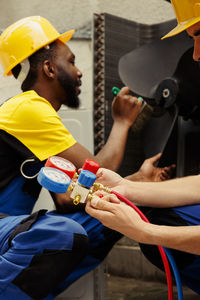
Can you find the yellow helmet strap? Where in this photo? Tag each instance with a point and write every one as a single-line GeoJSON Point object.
{"type": "Point", "coordinates": [25, 68]}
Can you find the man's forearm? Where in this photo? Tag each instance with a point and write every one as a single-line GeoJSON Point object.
{"type": "Point", "coordinates": [135, 177]}
{"type": "Point", "coordinates": [184, 238]}
{"type": "Point", "coordinates": [171, 193]}
{"type": "Point", "coordinates": [111, 155]}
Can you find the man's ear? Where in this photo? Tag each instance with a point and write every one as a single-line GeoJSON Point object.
{"type": "Point", "coordinates": [48, 69]}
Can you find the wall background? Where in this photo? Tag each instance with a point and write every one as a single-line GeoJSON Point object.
{"type": "Point", "coordinates": [66, 14]}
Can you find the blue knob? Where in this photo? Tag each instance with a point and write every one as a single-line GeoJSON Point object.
{"type": "Point", "coordinates": [86, 178]}
{"type": "Point", "coordinates": [53, 180]}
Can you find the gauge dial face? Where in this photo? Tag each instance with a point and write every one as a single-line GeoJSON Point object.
{"type": "Point", "coordinates": [62, 163]}
{"type": "Point", "coordinates": [56, 176]}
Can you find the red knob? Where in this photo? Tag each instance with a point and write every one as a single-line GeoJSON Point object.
{"type": "Point", "coordinates": [91, 165]}
{"type": "Point", "coordinates": [61, 164]}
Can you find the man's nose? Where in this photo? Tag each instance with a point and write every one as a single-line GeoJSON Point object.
{"type": "Point", "coordinates": [79, 73]}
{"type": "Point", "coordinates": [196, 53]}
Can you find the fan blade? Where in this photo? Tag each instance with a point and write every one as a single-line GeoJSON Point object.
{"type": "Point", "coordinates": [158, 130]}
{"type": "Point", "coordinates": [145, 67]}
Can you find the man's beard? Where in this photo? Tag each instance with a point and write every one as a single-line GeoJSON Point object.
{"type": "Point", "coordinates": [69, 85]}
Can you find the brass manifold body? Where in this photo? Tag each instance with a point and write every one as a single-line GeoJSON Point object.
{"type": "Point", "coordinates": [80, 194]}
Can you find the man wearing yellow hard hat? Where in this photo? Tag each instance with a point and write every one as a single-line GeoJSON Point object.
{"type": "Point", "coordinates": [188, 18]}
{"type": "Point", "coordinates": [187, 14]}
{"type": "Point", "coordinates": [174, 204]}
{"type": "Point", "coordinates": [44, 253]}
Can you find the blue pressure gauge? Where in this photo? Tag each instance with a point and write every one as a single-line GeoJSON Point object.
{"type": "Point", "coordinates": [53, 180]}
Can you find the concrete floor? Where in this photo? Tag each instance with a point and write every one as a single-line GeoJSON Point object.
{"type": "Point", "coordinates": [120, 288]}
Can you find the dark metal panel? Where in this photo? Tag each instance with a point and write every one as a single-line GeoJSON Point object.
{"type": "Point", "coordinates": [114, 37]}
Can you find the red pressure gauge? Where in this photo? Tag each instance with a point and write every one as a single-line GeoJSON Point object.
{"type": "Point", "coordinates": [91, 165]}
{"type": "Point", "coordinates": [61, 164]}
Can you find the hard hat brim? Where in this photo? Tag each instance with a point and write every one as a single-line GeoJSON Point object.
{"type": "Point", "coordinates": [181, 27]}
{"type": "Point", "coordinates": [65, 37]}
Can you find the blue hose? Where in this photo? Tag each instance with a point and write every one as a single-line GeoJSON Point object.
{"type": "Point", "coordinates": [176, 273]}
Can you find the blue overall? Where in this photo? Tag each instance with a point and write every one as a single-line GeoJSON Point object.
{"type": "Point", "coordinates": [42, 254]}
{"type": "Point", "coordinates": [43, 260]}
{"type": "Point", "coordinates": [188, 264]}
{"type": "Point", "coordinates": [190, 275]}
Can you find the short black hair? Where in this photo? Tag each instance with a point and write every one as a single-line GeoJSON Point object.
{"type": "Point", "coordinates": [35, 60]}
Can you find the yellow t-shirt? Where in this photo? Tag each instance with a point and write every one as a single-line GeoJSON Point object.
{"type": "Point", "coordinates": [35, 123]}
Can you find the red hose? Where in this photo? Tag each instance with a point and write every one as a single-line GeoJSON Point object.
{"type": "Point", "coordinates": [161, 250]}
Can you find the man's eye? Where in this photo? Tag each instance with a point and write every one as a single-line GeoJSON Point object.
{"type": "Point", "coordinates": [72, 62]}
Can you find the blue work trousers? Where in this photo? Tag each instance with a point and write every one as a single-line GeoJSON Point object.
{"type": "Point", "coordinates": [41, 257]}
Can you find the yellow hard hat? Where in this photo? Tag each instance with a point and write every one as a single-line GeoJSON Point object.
{"type": "Point", "coordinates": [21, 39]}
{"type": "Point", "coordinates": [187, 14]}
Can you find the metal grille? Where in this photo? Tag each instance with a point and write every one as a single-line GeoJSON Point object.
{"type": "Point", "coordinates": [114, 37]}
{"type": "Point", "coordinates": [99, 95]}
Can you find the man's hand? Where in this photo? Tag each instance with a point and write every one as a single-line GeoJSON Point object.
{"type": "Point", "coordinates": [117, 216]}
{"type": "Point", "coordinates": [125, 108]}
{"type": "Point", "coordinates": [152, 173]}
{"type": "Point", "coordinates": [111, 180]}
{"type": "Point", "coordinates": [108, 178]}
{"type": "Point", "coordinates": [148, 172]}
